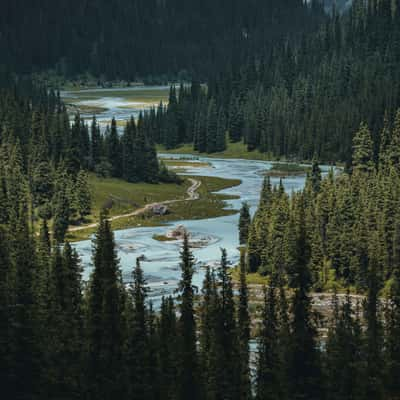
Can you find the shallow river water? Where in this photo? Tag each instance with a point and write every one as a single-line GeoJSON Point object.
{"type": "Point", "coordinates": [161, 259]}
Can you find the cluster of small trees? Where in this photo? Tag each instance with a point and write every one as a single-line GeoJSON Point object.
{"type": "Point", "coordinates": [189, 117]}
{"type": "Point", "coordinates": [131, 156]}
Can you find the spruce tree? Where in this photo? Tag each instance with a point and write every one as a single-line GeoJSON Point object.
{"type": "Point", "coordinates": [82, 195]}
{"type": "Point", "coordinates": [104, 318]}
{"type": "Point", "coordinates": [268, 383]}
{"type": "Point", "coordinates": [137, 355]}
{"type": "Point", "coordinates": [244, 223]}
{"type": "Point", "coordinates": [188, 378]}
{"type": "Point", "coordinates": [208, 340]}
{"type": "Point", "coordinates": [373, 340]}
{"type": "Point", "coordinates": [227, 334]}
{"type": "Point", "coordinates": [363, 153]}
{"type": "Point", "coordinates": [343, 352]}
{"type": "Point", "coordinates": [304, 369]}
{"type": "Point", "coordinates": [7, 293]}
{"type": "Point", "coordinates": [392, 331]}
{"type": "Point", "coordinates": [167, 334]}
{"type": "Point", "coordinates": [244, 332]}
{"type": "Point", "coordinates": [113, 147]}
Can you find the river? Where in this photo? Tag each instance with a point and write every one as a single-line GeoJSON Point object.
{"type": "Point", "coordinates": [161, 259]}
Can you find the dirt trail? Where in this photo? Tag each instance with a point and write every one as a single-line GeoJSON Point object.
{"type": "Point", "coordinates": [191, 192]}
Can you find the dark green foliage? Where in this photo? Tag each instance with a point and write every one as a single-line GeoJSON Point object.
{"type": "Point", "coordinates": [343, 352]}
{"type": "Point", "coordinates": [65, 325]}
{"type": "Point", "coordinates": [208, 343]}
{"type": "Point", "coordinates": [168, 341]}
{"type": "Point", "coordinates": [304, 369]}
{"type": "Point", "coordinates": [244, 223]}
{"type": "Point", "coordinates": [82, 195]}
{"type": "Point", "coordinates": [104, 318]}
{"type": "Point", "coordinates": [226, 335]}
{"type": "Point", "coordinates": [305, 98]}
{"type": "Point", "coordinates": [188, 377]}
{"type": "Point", "coordinates": [268, 380]}
{"type": "Point", "coordinates": [138, 340]}
{"type": "Point", "coordinates": [244, 321]}
{"type": "Point", "coordinates": [186, 39]}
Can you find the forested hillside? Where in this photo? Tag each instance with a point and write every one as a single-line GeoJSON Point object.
{"type": "Point", "coordinates": [45, 159]}
{"type": "Point", "coordinates": [350, 220]}
{"type": "Point", "coordinates": [303, 98]}
{"type": "Point", "coordinates": [68, 340]}
{"type": "Point", "coordinates": [284, 79]}
{"type": "Point", "coordinates": [129, 39]}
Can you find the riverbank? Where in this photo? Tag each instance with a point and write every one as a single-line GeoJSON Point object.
{"type": "Point", "coordinates": [233, 150]}
{"type": "Point", "coordinates": [131, 203]}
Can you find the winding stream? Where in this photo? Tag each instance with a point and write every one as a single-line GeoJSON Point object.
{"type": "Point", "coordinates": [161, 259]}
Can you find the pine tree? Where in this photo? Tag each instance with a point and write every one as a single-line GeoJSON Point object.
{"type": "Point", "coordinates": [253, 254]}
{"type": "Point", "coordinates": [220, 142]}
{"type": "Point", "coordinates": [373, 386]}
{"type": "Point", "coordinates": [208, 341]}
{"type": "Point", "coordinates": [268, 384]}
{"type": "Point", "coordinates": [266, 194]}
{"type": "Point", "coordinates": [244, 223]}
{"type": "Point", "coordinates": [27, 351]}
{"type": "Point", "coordinates": [227, 334]}
{"type": "Point", "coordinates": [392, 334]}
{"type": "Point", "coordinates": [315, 177]}
{"type": "Point", "coordinates": [343, 352]}
{"type": "Point", "coordinates": [96, 150]}
{"type": "Point", "coordinates": [394, 147]}
{"type": "Point", "coordinates": [212, 127]}
{"type": "Point", "coordinates": [138, 341]}
{"type": "Point", "coordinates": [82, 195]}
{"type": "Point", "coordinates": [61, 208]}
{"type": "Point", "coordinates": [113, 147]}
{"type": "Point", "coordinates": [167, 334]}
{"type": "Point", "coordinates": [66, 325]}
{"type": "Point", "coordinates": [129, 152]}
{"type": "Point", "coordinates": [171, 139]}
{"type": "Point", "coordinates": [363, 155]}
{"type": "Point", "coordinates": [244, 332]}
{"type": "Point", "coordinates": [304, 373]}
{"type": "Point", "coordinates": [104, 324]}
{"type": "Point", "coordinates": [188, 368]}
{"type": "Point", "coordinates": [7, 293]}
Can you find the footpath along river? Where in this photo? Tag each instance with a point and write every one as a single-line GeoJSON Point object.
{"type": "Point", "coordinates": [161, 259]}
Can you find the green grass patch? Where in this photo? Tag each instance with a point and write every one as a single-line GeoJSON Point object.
{"type": "Point", "coordinates": [252, 278]}
{"type": "Point", "coordinates": [163, 238]}
{"type": "Point", "coordinates": [128, 197]}
{"type": "Point", "coordinates": [122, 197]}
{"type": "Point", "coordinates": [233, 150]}
{"type": "Point", "coordinates": [288, 169]}
{"type": "Point", "coordinates": [185, 164]}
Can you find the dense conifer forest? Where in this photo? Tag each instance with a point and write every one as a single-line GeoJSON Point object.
{"type": "Point", "coordinates": [144, 38]}
{"type": "Point", "coordinates": [302, 98]}
{"type": "Point", "coordinates": [286, 79]}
